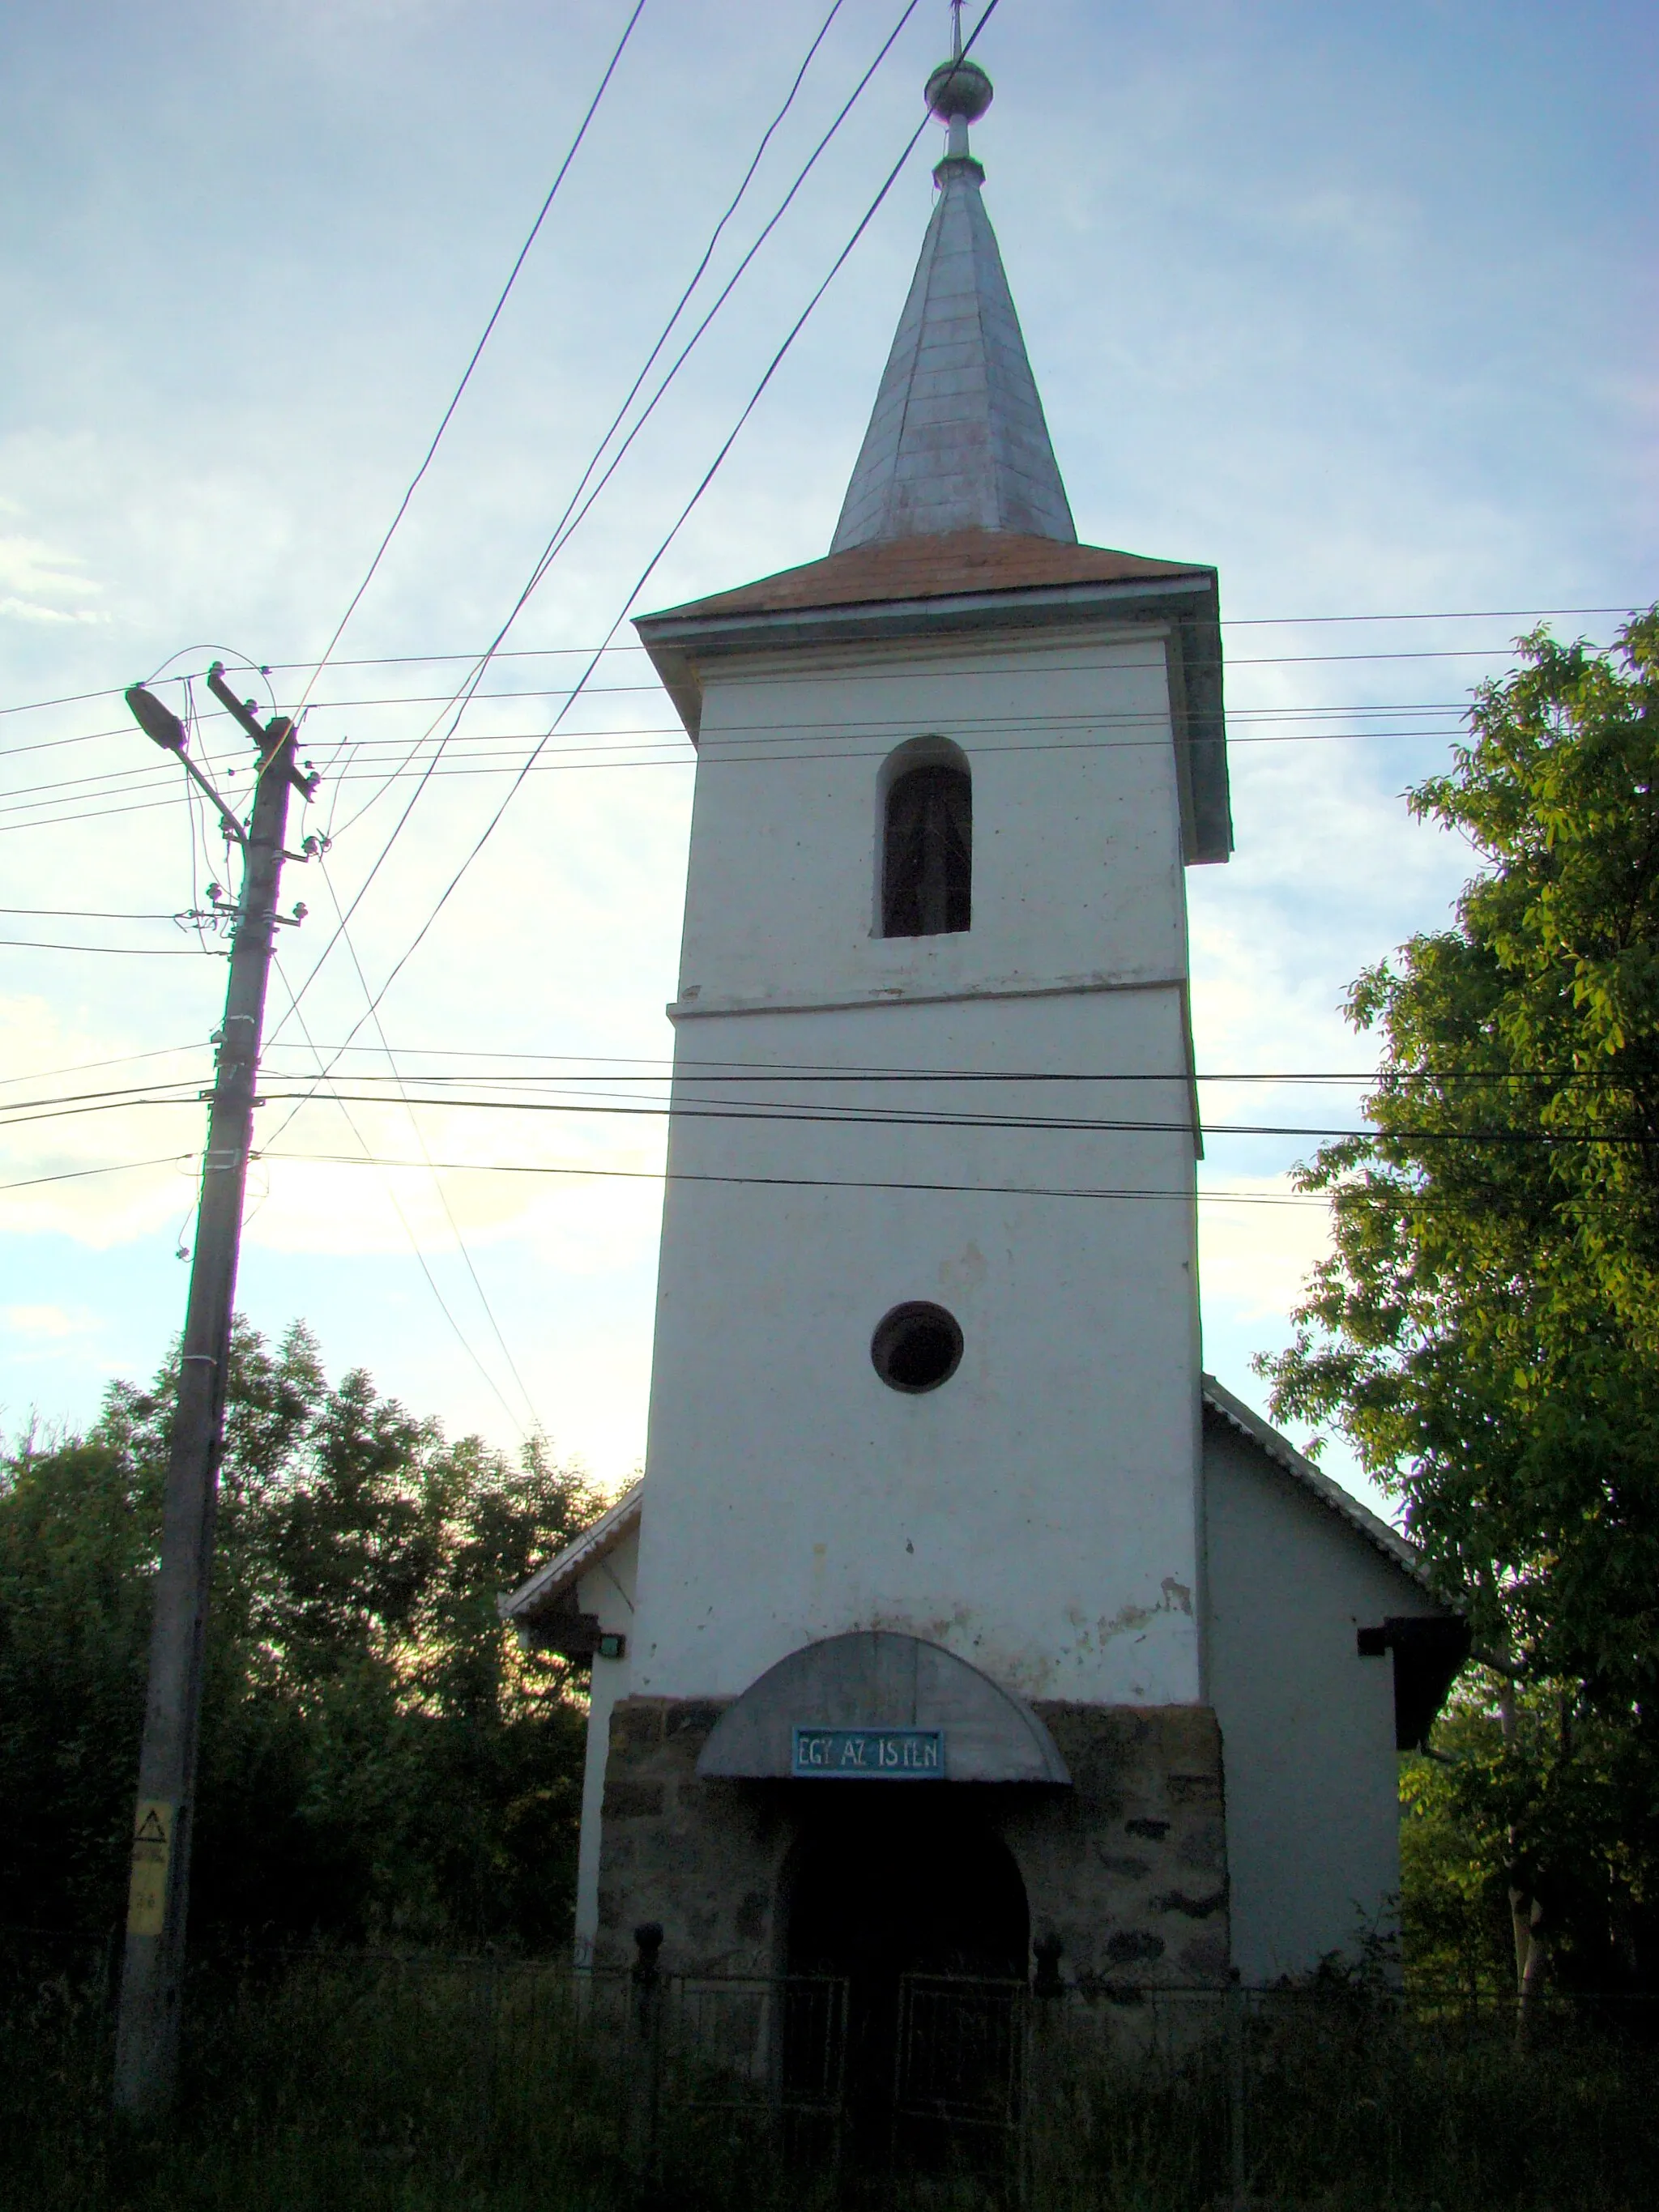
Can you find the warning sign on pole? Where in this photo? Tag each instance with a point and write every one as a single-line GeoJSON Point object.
{"type": "Point", "coordinates": [152, 1848]}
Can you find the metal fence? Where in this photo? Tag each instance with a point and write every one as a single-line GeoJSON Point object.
{"type": "Point", "coordinates": [870, 2090]}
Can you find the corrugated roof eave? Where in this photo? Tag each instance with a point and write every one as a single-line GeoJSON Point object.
{"type": "Point", "coordinates": [550, 1583]}
{"type": "Point", "coordinates": [1399, 1549]}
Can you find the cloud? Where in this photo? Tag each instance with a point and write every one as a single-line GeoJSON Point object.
{"type": "Point", "coordinates": [585, 1212]}
{"type": "Point", "coordinates": [24, 610]}
{"type": "Point", "coordinates": [593, 1210]}
{"type": "Point", "coordinates": [35, 578]}
{"type": "Point", "coordinates": [47, 1324]}
{"type": "Point", "coordinates": [59, 1166]}
{"type": "Point", "coordinates": [1256, 1252]}
{"type": "Point", "coordinates": [1289, 348]}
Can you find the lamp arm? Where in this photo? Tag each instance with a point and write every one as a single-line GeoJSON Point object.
{"type": "Point", "coordinates": [232, 827]}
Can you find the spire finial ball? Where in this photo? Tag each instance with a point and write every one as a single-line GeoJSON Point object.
{"type": "Point", "coordinates": [958, 88]}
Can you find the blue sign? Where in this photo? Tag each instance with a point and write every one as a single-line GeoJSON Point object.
{"type": "Point", "coordinates": [870, 1754]}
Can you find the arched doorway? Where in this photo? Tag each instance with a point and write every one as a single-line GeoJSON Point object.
{"type": "Point", "coordinates": [906, 1892]}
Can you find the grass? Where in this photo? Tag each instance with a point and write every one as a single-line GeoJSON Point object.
{"type": "Point", "coordinates": [355, 2084]}
{"type": "Point", "coordinates": [1354, 2105]}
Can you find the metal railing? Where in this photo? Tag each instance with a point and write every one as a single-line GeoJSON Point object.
{"type": "Point", "coordinates": [768, 2089]}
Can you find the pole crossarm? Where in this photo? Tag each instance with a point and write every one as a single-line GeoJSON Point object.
{"type": "Point", "coordinates": [267, 739]}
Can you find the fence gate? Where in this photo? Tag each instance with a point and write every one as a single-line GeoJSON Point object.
{"type": "Point", "coordinates": [959, 2073]}
{"type": "Point", "coordinates": [775, 2051]}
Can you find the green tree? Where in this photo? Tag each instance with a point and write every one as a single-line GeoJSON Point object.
{"type": "Point", "coordinates": [378, 1756]}
{"type": "Point", "coordinates": [1536, 1798]}
{"type": "Point", "coordinates": [1485, 1332]}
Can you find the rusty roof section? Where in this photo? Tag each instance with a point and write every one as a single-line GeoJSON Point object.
{"type": "Point", "coordinates": [939, 566]}
{"type": "Point", "coordinates": [989, 582]}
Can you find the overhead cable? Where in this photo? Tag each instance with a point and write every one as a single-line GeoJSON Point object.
{"type": "Point", "coordinates": [790, 1113]}
{"type": "Point", "coordinates": [614, 1068]}
{"type": "Point", "coordinates": [1306, 1201]}
{"type": "Point", "coordinates": [554, 652]}
{"type": "Point", "coordinates": [415, 1131]}
{"type": "Point", "coordinates": [577, 507]}
{"type": "Point", "coordinates": [651, 565]}
{"type": "Point", "coordinates": [478, 350]}
{"type": "Point", "coordinates": [1277, 711]}
{"type": "Point", "coordinates": [443, 1304]}
{"type": "Point", "coordinates": [549, 552]}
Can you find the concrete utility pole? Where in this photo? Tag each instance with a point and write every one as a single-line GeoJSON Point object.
{"type": "Point", "coordinates": [147, 2036]}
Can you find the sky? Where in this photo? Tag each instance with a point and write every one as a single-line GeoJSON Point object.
{"type": "Point", "coordinates": [1357, 304]}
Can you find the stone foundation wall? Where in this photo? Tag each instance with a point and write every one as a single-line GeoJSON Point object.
{"type": "Point", "coordinates": [1127, 1868]}
{"type": "Point", "coordinates": [700, 1858]}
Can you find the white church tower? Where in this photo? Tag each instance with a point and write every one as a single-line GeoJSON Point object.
{"type": "Point", "coordinates": [905, 1648]}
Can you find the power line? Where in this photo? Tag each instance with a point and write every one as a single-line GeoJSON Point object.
{"type": "Point", "coordinates": [85, 1066]}
{"type": "Point", "coordinates": [559, 529]}
{"type": "Point", "coordinates": [445, 699]}
{"type": "Point", "coordinates": [570, 519]}
{"type": "Point", "coordinates": [730, 1071]}
{"type": "Point", "coordinates": [566, 521]}
{"type": "Point", "coordinates": [646, 573]}
{"type": "Point", "coordinates": [1229, 622]}
{"type": "Point", "coordinates": [1279, 711]}
{"type": "Point", "coordinates": [141, 774]}
{"type": "Point", "coordinates": [586, 752]}
{"type": "Point", "coordinates": [612, 690]}
{"type": "Point", "coordinates": [578, 652]}
{"type": "Point", "coordinates": [776, 1112]}
{"type": "Point", "coordinates": [443, 1197]}
{"type": "Point", "coordinates": [420, 1257]}
{"type": "Point", "coordinates": [662, 1072]}
{"type": "Point", "coordinates": [140, 771]}
{"type": "Point", "coordinates": [85, 914]}
{"type": "Point", "coordinates": [342, 933]}
{"type": "Point", "coordinates": [114, 1167]}
{"type": "Point", "coordinates": [475, 755]}
{"type": "Point", "coordinates": [590, 759]}
{"type": "Point", "coordinates": [478, 350]}
{"type": "Point", "coordinates": [570, 522]}
{"type": "Point", "coordinates": [820, 1182]}
{"type": "Point", "coordinates": [614, 1068]}
{"type": "Point", "coordinates": [1199, 1195]}
{"type": "Point", "coordinates": [467, 691]}
{"type": "Point", "coordinates": [788, 1113]}
{"type": "Point", "coordinates": [125, 951]}
{"type": "Point", "coordinates": [667, 1176]}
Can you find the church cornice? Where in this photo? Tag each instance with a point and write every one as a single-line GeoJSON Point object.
{"type": "Point", "coordinates": [975, 582]}
{"type": "Point", "coordinates": [941, 565]}
{"type": "Point", "coordinates": [694, 1007]}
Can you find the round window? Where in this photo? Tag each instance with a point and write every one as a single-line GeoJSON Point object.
{"type": "Point", "coordinates": [916, 1348]}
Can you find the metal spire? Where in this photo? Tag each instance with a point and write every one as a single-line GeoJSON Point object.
{"type": "Point", "coordinates": [957, 439]}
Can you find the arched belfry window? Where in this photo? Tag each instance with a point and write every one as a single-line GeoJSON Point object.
{"type": "Point", "coordinates": [928, 851]}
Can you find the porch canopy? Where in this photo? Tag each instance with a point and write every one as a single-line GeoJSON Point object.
{"type": "Point", "coordinates": [877, 1679]}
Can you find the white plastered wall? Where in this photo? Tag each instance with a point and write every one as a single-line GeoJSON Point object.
{"type": "Point", "coordinates": [1038, 1514]}
{"type": "Point", "coordinates": [607, 1590]}
{"type": "Point", "coordinates": [1307, 1725]}
{"type": "Point", "coordinates": [1077, 851]}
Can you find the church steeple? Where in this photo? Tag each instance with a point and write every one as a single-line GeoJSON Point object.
{"type": "Point", "coordinates": [957, 440]}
